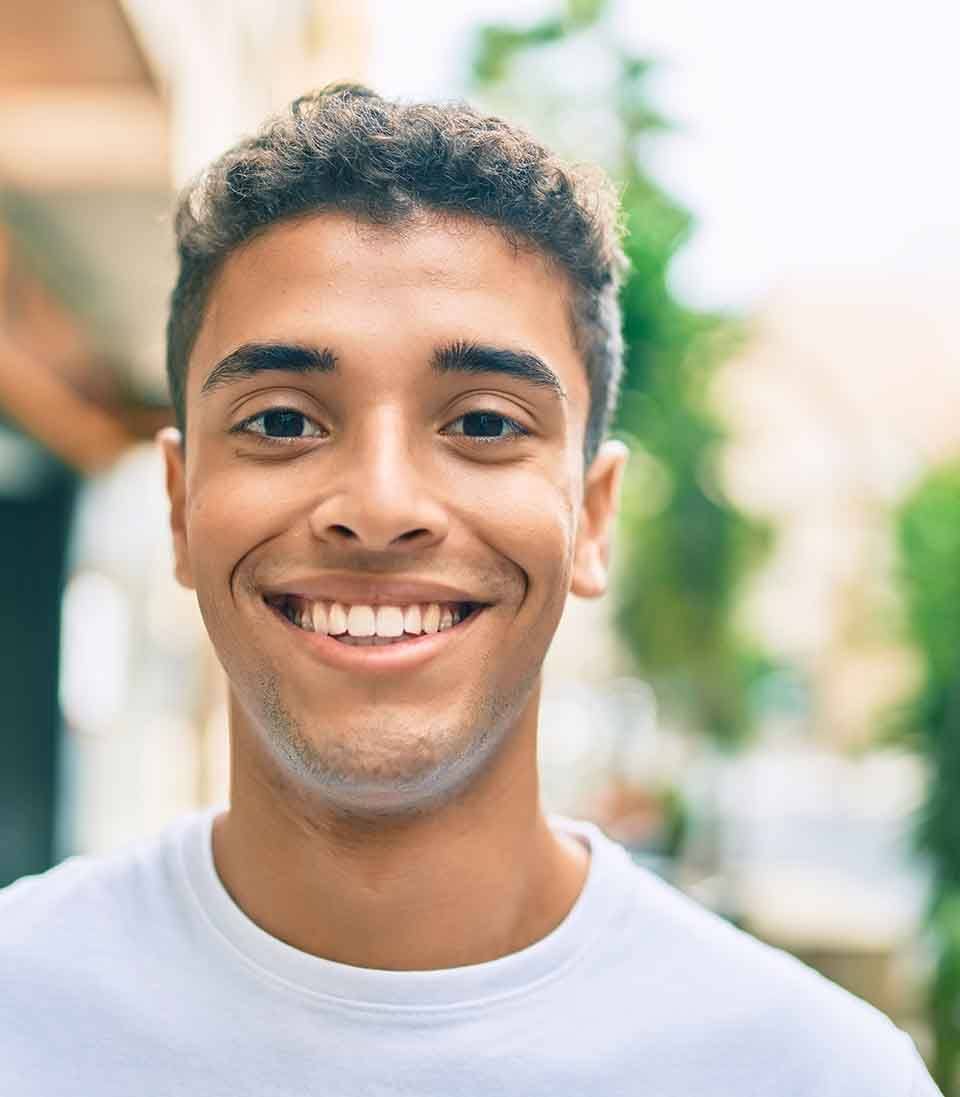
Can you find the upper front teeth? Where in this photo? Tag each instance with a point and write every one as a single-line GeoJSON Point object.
{"type": "Point", "coordinates": [335, 619]}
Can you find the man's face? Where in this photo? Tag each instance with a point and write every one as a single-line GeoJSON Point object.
{"type": "Point", "coordinates": [365, 445]}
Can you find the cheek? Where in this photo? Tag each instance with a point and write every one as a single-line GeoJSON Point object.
{"type": "Point", "coordinates": [227, 517]}
{"type": "Point", "coordinates": [234, 506]}
{"type": "Point", "coordinates": [528, 515]}
{"type": "Point", "coordinates": [530, 520]}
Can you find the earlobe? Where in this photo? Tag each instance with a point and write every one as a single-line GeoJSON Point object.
{"type": "Point", "coordinates": [601, 499]}
{"type": "Point", "coordinates": [170, 441]}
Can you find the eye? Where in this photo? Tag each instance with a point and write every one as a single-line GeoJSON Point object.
{"type": "Point", "coordinates": [487, 426]}
{"type": "Point", "coordinates": [279, 424]}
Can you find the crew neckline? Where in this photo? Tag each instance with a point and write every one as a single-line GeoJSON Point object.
{"type": "Point", "coordinates": [599, 901]}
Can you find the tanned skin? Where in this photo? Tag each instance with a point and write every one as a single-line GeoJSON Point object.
{"type": "Point", "coordinates": [390, 818]}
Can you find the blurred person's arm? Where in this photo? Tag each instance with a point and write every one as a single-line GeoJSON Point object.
{"type": "Point", "coordinates": [34, 396]}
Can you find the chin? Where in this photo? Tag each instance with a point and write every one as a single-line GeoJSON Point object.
{"type": "Point", "coordinates": [377, 771]}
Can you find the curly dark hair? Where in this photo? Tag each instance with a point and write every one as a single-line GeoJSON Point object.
{"type": "Point", "coordinates": [347, 148]}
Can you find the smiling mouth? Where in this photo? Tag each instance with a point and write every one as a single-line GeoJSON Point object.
{"type": "Point", "coordinates": [372, 626]}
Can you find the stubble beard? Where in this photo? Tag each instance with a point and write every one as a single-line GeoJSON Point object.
{"type": "Point", "coordinates": [424, 771]}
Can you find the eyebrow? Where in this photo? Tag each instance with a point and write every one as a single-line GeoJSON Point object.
{"type": "Point", "coordinates": [457, 357]}
{"type": "Point", "coordinates": [253, 358]}
{"type": "Point", "coordinates": [464, 357]}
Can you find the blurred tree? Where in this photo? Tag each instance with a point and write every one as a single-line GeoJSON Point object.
{"type": "Point", "coordinates": [686, 547]}
{"type": "Point", "coordinates": [928, 529]}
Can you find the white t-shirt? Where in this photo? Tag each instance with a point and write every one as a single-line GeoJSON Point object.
{"type": "Point", "coordinates": [136, 973]}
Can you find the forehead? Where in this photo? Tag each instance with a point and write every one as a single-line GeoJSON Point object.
{"type": "Point", "coordinates": [363, 288]}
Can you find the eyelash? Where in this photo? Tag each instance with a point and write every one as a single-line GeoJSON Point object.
{"type": "Point", "coordinates": [517, 430]}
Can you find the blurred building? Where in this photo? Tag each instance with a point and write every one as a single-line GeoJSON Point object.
{"type": "Point", "coordinates": [846, 395]}
{"type": "Point", "coordinates": [83, 150]}
{"type": "Point", "coordinates": [843, 399]}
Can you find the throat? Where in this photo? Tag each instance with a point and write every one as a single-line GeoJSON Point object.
{"type": "Point", "coordinates": [456, 920]}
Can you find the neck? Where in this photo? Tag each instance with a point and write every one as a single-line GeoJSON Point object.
{"type": "Point", "coordinates": [481, 878]}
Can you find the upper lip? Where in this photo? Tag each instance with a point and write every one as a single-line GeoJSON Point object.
{"type": "Point", "coordinates": [367, 591]}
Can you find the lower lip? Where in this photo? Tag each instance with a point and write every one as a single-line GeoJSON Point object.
{"type": "Point", "coordinates": [403, 655]}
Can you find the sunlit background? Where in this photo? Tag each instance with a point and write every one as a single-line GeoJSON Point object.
{"type": "Point", "coordinates": [765, 709]}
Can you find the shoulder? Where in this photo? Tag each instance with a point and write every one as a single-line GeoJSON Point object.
{"type": "Point", "coordinates": [87, 902]}
{"type": "Point", "coordinates": [738, 999]}
{"type": "Point", "coordinates": [30, 905]}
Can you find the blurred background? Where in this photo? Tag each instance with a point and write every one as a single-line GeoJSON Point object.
{"type": "Point", "coordinates": [765, 709]}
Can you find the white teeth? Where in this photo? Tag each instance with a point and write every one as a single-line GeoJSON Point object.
{"type": "Point", "coordinates": [364, 622]}
{"type": "Point", "coordinates": [389, 621]}
{"type": "Point", "coordinates": [337, 620]}
{"type": "Point", "coordinates": [412, 620]}
{"type": "Point", "coordinates": [431, 618]}
{"type": "Point", "coordinates": [361, 621]}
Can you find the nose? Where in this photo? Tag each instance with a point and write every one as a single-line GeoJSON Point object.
{"type": "Point", "coordinates": [379, 498]}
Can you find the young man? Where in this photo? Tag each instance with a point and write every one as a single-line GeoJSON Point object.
{"type": "Point", "coordinates": [393, 351]}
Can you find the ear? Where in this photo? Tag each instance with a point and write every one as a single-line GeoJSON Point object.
{"type": "Point", "coordinates": [601, 499]}
{"type": "Point", "coordinates": [170, 441]}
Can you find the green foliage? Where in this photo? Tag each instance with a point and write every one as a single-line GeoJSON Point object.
{"type": "Point", "coordinates": [687, 547]}
{"type": "Point", "coordinates": [676, 821]}
{"type": "Point", "coordinates": [928, 529]}
{"type": "Point", "coordinates": [944, 994]}
{"type": "Point", "coordinates": [929, 537]}
{"type": "Point", "coordinates": [497, 45]}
